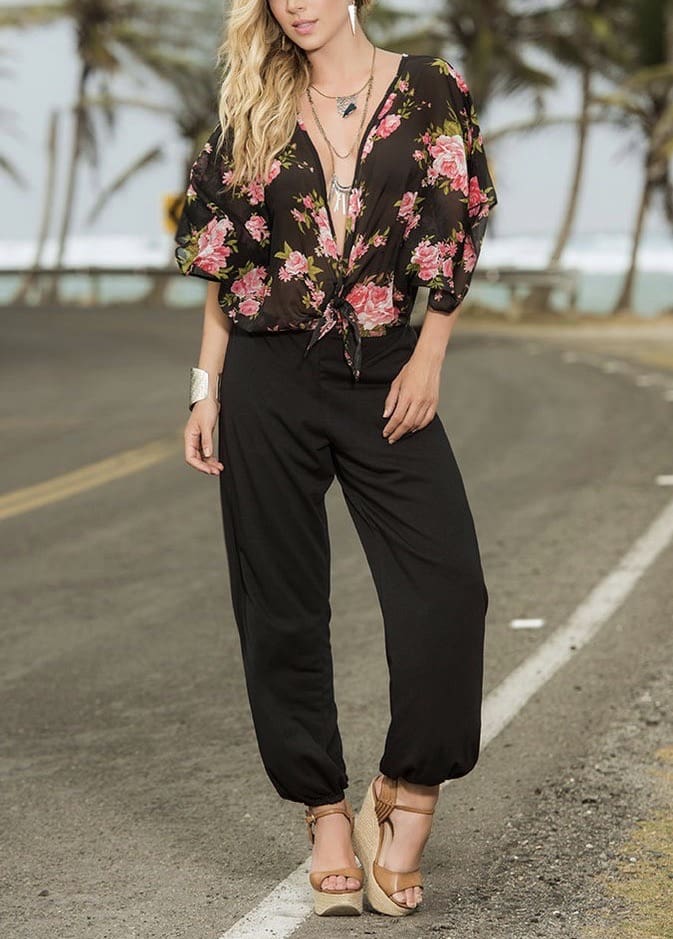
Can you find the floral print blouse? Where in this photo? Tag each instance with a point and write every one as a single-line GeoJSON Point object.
{"type": "Point", "coordinates": [417, 216]}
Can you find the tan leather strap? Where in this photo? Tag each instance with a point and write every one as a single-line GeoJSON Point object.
{"type": "Point", "coordinates": [394, 881]}
{"type": "Point", "coordinates": [413, 808]}
{"type": "Point", "coordinates": [312, 815]}
{"type": "Point", "coordinates": [385, 801]}
{"type": "Point", "coordinates": [316, 877]}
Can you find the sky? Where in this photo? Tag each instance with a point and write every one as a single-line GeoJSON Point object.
{"type": "Point", "coordinates": [531, 172]}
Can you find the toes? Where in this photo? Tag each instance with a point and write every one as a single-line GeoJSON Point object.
{"type": "Point", "coordinates": [407, 897]}
{"type": "Point", "coordinates": [334, 883]}
{"type": "Point", "coordinates": [339, 882]}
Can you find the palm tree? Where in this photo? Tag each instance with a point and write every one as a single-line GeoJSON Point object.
{"type": "Point", "coordinates": [643, 101]}
{"type": "Point", "coordinates": [110, 34]}
{"type": "Point", "coordinates": [6, 119]}
{"type": "Point", "coordinates": [585, 36]}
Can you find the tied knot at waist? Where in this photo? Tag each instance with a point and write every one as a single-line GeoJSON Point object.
{"type": "Point", "coordinates": [340, 313]}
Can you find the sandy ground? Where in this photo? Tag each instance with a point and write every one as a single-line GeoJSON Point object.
{"type": "Point", "coordinates": [648, 342]}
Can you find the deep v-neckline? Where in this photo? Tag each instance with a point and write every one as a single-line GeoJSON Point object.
{"type": "Point", "coordinates": [375, 114]}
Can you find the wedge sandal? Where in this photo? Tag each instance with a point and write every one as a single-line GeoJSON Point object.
{"type": "Point", "coordinates": [381, 883]}
{"type": "Point", "coordinates": [334, 902]}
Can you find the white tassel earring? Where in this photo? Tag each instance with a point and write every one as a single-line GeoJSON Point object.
{"type": "Point", "coordinates": [352, 9]}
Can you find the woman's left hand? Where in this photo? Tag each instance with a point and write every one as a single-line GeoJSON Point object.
{"type": "Point", "coordinates": [412, 400]}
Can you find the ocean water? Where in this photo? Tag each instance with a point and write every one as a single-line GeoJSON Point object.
{"type": "Point", "coordinates": [600, 259]}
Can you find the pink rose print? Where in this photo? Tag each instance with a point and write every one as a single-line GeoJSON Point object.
{"type": "Point", "coordinates": [388, 105]}
{"type": "Point", "coordinates": [403, 84]}
{"type": "Point", "coordinates": [357, 251]}
{"type": "Point", "coordinates": [328, 246]}
{"type": "Point", "coordinates": [251, 285]}
{"type": "Point", "coordinates": [477, 199]}
{"type": "Point", "coordinates": [322, 219]}
{"type": "Point", "coordinates": [213, 253]}
{"type": "Point", "coordinates": [450, 161]}
{"type": "Point", "coordinates": [355, 204]}
{"type": "Point", "coordinates": [407, 204]}
{"type": "Point", "coordinates": [274, 171]}
{"type": "Point", "coordinates": [447, 268]}
{"type": "Point", "coordinates": [413, 222]}
{"type": "Point", "coordinates": [469, 137]}
{"type": "Point", "coordinates": [255, 192]}
{"type": "Point", "coordinates": [296, 264]}
{"type": "Point", "coordinates": [378, 240]}
{"type": "Point", "coordinates": [249, 307]}
{"type": "Point", "coordinates": [373, 304]}
{"type": "Point", "coordinates": [388, 125]}
{"type": "Point", "coordinates": [427, 257]}
{"type": "Point", "coordinates": [369, 142]}
{"type": "Point", "coordinates": [308, 202]}
{"type": "Point", "coordinates": [317, 295]}
{"type": "Point", "coordinates": [469, 255]}
{"type": "Point", "coordinates": [326, 241]}
{"type": "Point", "coordinates": [256, 226]}
{"type": "Point", "coordinates": [460, 81]}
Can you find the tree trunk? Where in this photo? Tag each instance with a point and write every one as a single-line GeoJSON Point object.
{"type": "Point", "coordinates": [75, 153]}
{"type": "Point", "coordinates": [624, 302]}
{"type": "Point", "coordinates": [539, 297]}
{"type": "Point", "coordinates": [31, 278]}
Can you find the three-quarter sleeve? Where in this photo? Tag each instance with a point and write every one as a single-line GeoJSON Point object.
{"type": "Point", "coordinates": [223, 233]}
{"type": "Point", "coordinates": [456, 190]}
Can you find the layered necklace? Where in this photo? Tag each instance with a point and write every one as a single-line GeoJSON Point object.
{"type": "Point", "coordinates": [339, 194]}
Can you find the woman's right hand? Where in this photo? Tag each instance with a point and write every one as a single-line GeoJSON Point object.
{"type": "Point", "coordinates": [199, 437]}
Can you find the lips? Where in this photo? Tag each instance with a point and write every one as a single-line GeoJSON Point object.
{"type": "Point", "coordinates": [301, 23]}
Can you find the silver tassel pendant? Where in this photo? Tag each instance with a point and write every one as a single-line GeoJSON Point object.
{"type": "Point", "coordinates": [339, 195]}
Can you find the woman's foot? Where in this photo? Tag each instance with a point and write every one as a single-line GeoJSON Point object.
{"type": "Point", "coordinates": [333, 848]}
{"type": "Point", "coordinates": [403, 851]}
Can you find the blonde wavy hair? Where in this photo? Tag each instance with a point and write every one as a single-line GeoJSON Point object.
{"type": "Point", "coordinates": [262, 84]}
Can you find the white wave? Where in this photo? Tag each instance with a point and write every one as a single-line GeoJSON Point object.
{"type": "Point", "coordinates": [593, 253]}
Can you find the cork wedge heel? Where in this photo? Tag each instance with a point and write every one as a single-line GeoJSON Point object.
{"type": "Point", "coordinates": [334, 902]}
{"type": "Point", "coordinates": [381, 883]}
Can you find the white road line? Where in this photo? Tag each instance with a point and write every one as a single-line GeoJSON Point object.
{"type": "Point", "coordinates": [533, 622]}
{"type": "Point", "coordinates": [288, 905]}
{"type": "Point", "coordinates": [509, 697]}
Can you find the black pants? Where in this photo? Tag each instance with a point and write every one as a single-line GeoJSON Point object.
{"type": "Point", "coordinates": [289, 424]}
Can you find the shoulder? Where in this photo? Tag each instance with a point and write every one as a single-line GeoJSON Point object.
{"type": "Point", "coordinates": [435, 72]}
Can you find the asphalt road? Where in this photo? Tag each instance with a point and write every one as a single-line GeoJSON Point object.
{"type": "Point", "coordinates": [132, 799]}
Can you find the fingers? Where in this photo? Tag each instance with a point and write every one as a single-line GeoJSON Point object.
{"type": "Point", "coordinates": [391, 399]}
{"type": "Point", "coordinates": [408, 416]}
{"type": "Point", "coordinates": [199, 449]}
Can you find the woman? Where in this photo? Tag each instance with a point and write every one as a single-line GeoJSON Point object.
{"type": "Point", "coordinates": [338, 179]}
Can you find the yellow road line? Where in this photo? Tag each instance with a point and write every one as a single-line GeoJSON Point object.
{"type": "Point", "coordinates": [87, 477]}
